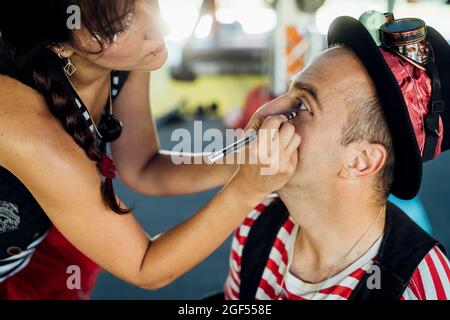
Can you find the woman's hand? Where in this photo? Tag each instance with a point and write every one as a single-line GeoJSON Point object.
{"type": "Point", "coordinates": [268, 163]}
{"type": "Point", "coordinates": [274, 107]}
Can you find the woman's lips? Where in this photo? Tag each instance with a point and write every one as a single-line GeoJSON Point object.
{"type": "Point", "coordinates": [158, 50]}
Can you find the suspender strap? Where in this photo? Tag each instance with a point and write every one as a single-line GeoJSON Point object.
{"type": "Point", "coordinates": [403, 247]}
{"type": "Point", "coordinates": [432, 119]}
{"type": "Point", "coordinates": [257, 248]}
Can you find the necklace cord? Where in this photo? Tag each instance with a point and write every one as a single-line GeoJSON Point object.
{"type": "Point", "coordinates": [110, 102]}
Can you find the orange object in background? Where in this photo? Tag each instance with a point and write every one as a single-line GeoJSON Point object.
{"type": "Point", "coordinates": [295, 52]}
{"type": "Point", "coordinates": [296, 48]}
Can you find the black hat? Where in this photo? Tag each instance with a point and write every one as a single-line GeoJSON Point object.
{"type": "Point", "coordinates": [409, 156]}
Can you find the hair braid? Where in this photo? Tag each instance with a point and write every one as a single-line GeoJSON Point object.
{"type": "Point", "coordinates": [43, 71]}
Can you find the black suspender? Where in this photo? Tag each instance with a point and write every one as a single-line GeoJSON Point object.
{"type": "Point", "coordinates": [432, 119]}
{"type": "Point", "coordinates": [257, 248]}
{"type": "Point", "coordinates": [404, 246]}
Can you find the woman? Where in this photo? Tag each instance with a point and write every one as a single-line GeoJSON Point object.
{"type": "Point", "coordinates": [53, 157]}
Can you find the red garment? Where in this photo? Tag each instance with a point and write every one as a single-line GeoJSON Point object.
{"type": "Point", "coordinates": [255, 99]}
{"type": "Point", "coordinates": [45, 277]}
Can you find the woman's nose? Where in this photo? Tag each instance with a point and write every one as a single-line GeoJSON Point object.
{"type": "Point", "coordinates": [164, 26]}
{"type": "Point", "coordinates": [156, 26]}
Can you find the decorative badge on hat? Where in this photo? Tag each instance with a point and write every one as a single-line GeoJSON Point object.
{"type": "Point", "coordinates": [406, 39]}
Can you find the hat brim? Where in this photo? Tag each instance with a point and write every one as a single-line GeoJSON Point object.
{"type": "Point", "coordinates": [352, 34]}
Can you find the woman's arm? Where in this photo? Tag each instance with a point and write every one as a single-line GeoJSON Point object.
{"type": "Point", "coordinates": [140, 162]}
{"type": "Point", "coordinates": [67, 186]}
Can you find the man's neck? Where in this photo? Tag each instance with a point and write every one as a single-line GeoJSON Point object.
{"type": "Point", "coordinates": [329, 228]}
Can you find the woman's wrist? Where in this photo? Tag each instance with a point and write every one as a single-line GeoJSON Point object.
{"type": "Point", "coordinates": [244, 192]}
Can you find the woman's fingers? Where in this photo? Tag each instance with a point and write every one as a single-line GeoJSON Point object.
{"type": "Point", "coordinates": [273, 124]}
{"type": "Point", "coordinates": [292, 150]}
{"type": "Point", "coordinates": [273, 155]}
{"type": "Point", "coordinates": [275, 135]}
{"type": "Point", "coordinates": [286, 158]}
{"type": "Point", "coordinates": [268, 140]}
{"type": "Point", "coordinates": [293, 143]}
{"type": "Point", "coordinates": [287, 132]}
{"type": "Point", "coordinates": [275, 106]}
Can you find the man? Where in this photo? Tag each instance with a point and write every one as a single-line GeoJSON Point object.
{"type": "Point", "coordinates": [368, 117]}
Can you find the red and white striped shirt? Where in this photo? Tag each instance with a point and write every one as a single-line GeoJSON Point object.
{"type": "Point", "coordinates": [430, 281]}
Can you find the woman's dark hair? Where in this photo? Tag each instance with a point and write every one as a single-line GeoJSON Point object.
{"type": "Point", "coordinates": [28, 30]}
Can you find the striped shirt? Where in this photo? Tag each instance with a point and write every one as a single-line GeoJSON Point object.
{"type": "Point", "coordinates": [14, 264]}
{"type": "Point", "coordinates": [430, 281]}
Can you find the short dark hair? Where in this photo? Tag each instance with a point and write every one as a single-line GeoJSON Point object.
{"type": "Point", "coordinates": [366, 121]}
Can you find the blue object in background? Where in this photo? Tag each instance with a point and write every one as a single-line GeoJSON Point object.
{"type": "Point", "coordinates": [415, 210]}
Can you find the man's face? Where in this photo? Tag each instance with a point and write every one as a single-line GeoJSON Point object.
{"type": "Point", "coordinates": [324, 93]}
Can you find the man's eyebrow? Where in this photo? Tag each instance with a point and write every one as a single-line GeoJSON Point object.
{"type": "Point", "coordinates": [311, 90]}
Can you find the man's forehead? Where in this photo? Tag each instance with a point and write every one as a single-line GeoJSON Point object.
{"type": "Point", "coordinates": [336, 69]}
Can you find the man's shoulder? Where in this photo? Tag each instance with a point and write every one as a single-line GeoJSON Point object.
{"type": "Point", "coordinates": [260, 209]}
{"type": "Point", "coordinates": [402, 229]}
{"type": "Point", "coordinates": [266, 217]}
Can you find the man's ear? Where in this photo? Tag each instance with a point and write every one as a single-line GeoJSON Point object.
{"type": "Point", "coordinates": [62, 50]}
{"type": "Point", "coordinates": [363, 159]}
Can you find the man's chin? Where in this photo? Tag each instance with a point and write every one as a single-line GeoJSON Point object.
{"type": "Point", "coordinates": [294, 185]}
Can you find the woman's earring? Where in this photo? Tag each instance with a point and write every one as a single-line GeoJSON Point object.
{"type": "Point", "coordinates": [70, 68]}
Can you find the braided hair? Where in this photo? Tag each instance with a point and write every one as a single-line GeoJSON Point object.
{"type": "Point", "coordinates": [26, 56]}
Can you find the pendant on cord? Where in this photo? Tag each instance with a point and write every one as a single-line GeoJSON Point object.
{"type": "Point", "coordinates": [110, 128]}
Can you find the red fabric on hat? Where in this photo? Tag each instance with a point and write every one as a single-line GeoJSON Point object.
{"type": "Point", "coordinates": [415, 85]}
{"type": "Point", "coordinates": [45, 277]}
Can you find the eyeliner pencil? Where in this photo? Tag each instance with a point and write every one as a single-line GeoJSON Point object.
{"type": "Point", "coordinates": [242, 142]}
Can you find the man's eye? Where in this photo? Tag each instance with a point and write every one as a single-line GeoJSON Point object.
{"type": "Point", "coordinates": [301, 106]}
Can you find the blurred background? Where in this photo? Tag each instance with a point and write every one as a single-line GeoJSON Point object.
{"type": "Point", "coordinates": [227, 58]}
